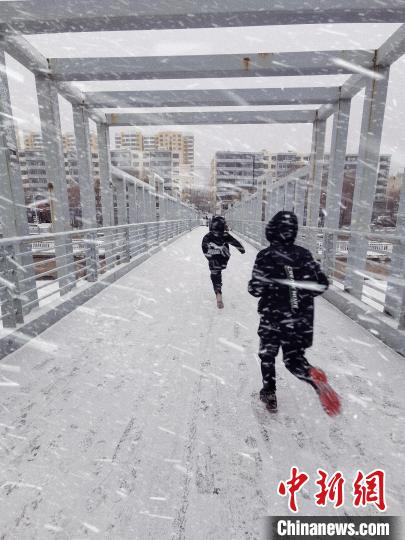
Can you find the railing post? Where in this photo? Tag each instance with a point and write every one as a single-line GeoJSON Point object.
{"type": "Point", "coordinates": [55, 172]}
{"type": "Point", "coordinates": [121, 189]}
{"type": "Point", "coordinates": [146, 236]}
{"type": "Point", "coordinates": [91, 256]}
{"type": "Point", "coordinates": [127, 237]}
{"type": "Point", "coordinates": [132, 210]}
{"type": "Point", "coordinates": [11, 308]}
{"type": "Point", "coordinates": [336, 173]}
{"type": "Point", "coordinates": [395, 297]}
{"type": "Point", "coordinates": [366, 179]}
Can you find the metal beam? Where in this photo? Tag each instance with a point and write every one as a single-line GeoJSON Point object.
{"type": "Point", "coordinates": [48, 16]}
{"type": "Point", "coordinates": [296, 175]}
{"type": "Point", "coordinates": [216, 98]}
{"type": "Point", "coordinates": [392, 49]}
{"type": "Point", "coordinates": [22, 51]}
{"type": "Point", "coordinates": [76, 97]}
{"type": "Point", "coordinates": [199, 118]}
{"type": "Point", "coordinates": [353, 85]}
{"type": "Point", "coordinates": [211, 66]}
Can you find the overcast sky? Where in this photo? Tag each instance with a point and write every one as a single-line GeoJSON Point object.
{"type": "Point", "coordinates": [209, 139]}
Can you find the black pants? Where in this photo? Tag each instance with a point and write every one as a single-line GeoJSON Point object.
{"type": "Point", "coordinates": [216, 274]}
{"type": "Point", "coordinates": [272, 337]}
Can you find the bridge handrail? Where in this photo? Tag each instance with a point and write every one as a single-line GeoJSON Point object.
{"type": "Point", "coordinates": [383, 281]}
{"type": "Point", "coordinates": [74, 256]}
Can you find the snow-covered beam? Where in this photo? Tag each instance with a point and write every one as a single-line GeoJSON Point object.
{"type": "Point", "coordinates": [211, 66]}
{"type": "Point", "coordinates": [48, 16]}
{"type": "Point", "coordinates": [217, 98]}
{"type": "Point", "coordinates": [199, 118]}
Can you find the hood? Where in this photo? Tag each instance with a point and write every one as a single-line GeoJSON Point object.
{"type": "Point", "coordinates": [217, 225]}
{"type": "Point", "coordinates": [282, 228]}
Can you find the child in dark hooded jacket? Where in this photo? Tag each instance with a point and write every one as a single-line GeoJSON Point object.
{"type": "Point", "coordinates": [286, 279]}
{"type": "Point", "coordinates": [215, 246]}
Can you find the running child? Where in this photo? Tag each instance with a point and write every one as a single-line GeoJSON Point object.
{"type": "Point", "coordinates": [215, 246]}
{"type": "Point", "coordinates": [286, 279]}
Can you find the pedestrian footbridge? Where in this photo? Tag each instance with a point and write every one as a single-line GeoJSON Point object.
{"type": "Point", "coordinates": [137, 415]}
{"type": "Point", "coordinates": [129, 403]}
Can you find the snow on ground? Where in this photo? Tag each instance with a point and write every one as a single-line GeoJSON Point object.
{"type": "Point", "coordinates": [137, 415]}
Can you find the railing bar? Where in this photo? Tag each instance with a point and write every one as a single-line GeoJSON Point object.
{"type": "Point", "coordinates": [33, 238]}
{"type": "Point", "coordinates": [114, 255]}
{"type": "Point", "coordinates": [51, 270]}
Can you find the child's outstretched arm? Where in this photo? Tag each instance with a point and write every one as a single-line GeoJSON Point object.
{"type": "Point", "coordinates": [235, 243]}
{"type": "Point", "coordinates": [313, 273]}
{"type": "Point", "coordinates": [204, 245]}
{"type": "Point", "coordinates": [260, 284]}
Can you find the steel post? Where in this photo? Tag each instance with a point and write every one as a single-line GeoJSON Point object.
{"type": "Point", "coordinates": [11, 305]}
{"type": "Point", "coordinates": [299, 200]}
{"type": "Point", "coordinates": [121, 191]}
{"type": "Point", "coordinates": [13, 213]}
{"type": "Point", "coordinates": [290, 195]}
{"type": "Point", "coordinates": [107, 208]}
{"type": "Point", "coordinates": [106, 191]}
{"type": "Point", "coordinates": [57, 184]}
{"type": "Point", "coordinates": [86, 183]}
{"type": "Point", "coordinates": [395, 297]}
{"type": "Point", "coordinates": [315, 179]}
{"type": "Point", "coordinates": [366, 179]}
{"type": "Point", "coordinates": [336, 172]}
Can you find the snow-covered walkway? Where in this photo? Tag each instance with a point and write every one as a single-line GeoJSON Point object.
{"type": "Point", "coordinates": [137, 415]}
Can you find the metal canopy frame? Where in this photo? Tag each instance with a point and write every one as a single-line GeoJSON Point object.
{"type": "Point", "coordinates": [62, 71]}
{"type": "Point", "coordinates": [47, 16]}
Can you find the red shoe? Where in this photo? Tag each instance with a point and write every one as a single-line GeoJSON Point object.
{"type": "Point", "coordinates": [329, 399]}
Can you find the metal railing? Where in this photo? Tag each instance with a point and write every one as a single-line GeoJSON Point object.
{"type": "Point", "coordinates": [383, 280]}
{"type": "Point", "coordinates": [36, 268]}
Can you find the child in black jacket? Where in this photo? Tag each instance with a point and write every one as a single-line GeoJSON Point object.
{"type": "Point", "coordinates": [215, 246]}
{"type": "Point", "coordinates": [286, 279]}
